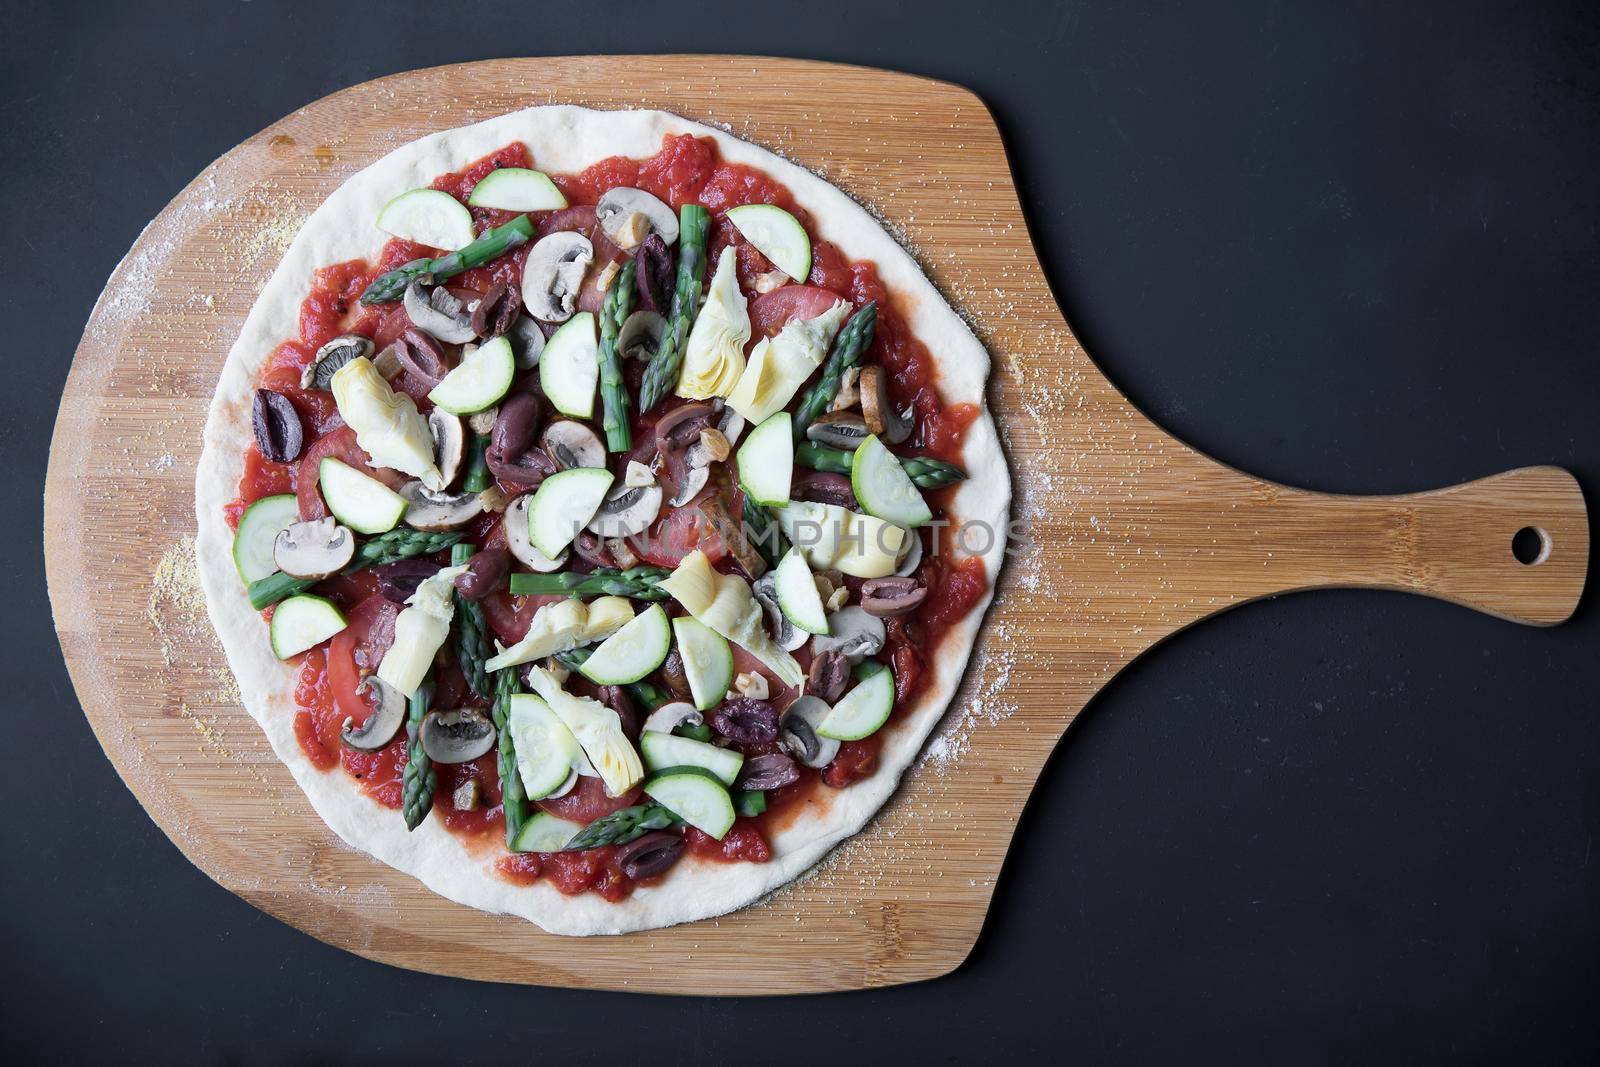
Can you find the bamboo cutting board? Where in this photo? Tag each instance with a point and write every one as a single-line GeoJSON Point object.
{"type": "Point", "coordinates": [1132, 535]}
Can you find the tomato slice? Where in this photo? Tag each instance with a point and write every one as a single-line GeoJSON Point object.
{"type": "Point", "coordinates": [587, 801]}
{"type": "Point", "coordinates": [770, 312]}
{"type": "Point", "coordinates": [341, 445]}
{"type": "Point", "coordinates": [355, 653]}
{"type": "Point", "coordinates": [676, 534]}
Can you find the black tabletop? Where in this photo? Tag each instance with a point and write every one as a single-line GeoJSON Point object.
{"type": "Point", "coordinates": [1350, 250]}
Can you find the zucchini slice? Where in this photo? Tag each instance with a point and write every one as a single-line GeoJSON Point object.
{"type": "Point", "coordinates": [633, 651]}
{"type": "Point", "coordinates": [517, 189]}
{"type": "Point", "coordinates": [546, 749]}
{"type": "Point", "coordinates": [303, 622]}
{"type": "Point", "coordinates": [860, 712]}
{"type": "Point", "coordinates": [429, 217]}
{"type": "Point", "coordinates": [562, 505]}
{"type": "Point", "coordinates": [569, 366]}
{"type": "Point", "coordinates": [777, 235]}
{"type": "Point", "coordinates": [661, 751]}
{"type": "Point", "coordinates": [766, 460]}
{"type": "Point", "coordinates": [797, 594]}
{"type": "Point", "coordinates": [479, 381]}
{"type": "Point", "coordinates": [707, 661]}
{"type": "Point", "coordinates": [364, 504]}
{"type": "Point", "coordinates": [544, 832]}
{"type": "Point", "coordinates": [259, 527]}
{"type": "Point", "coordinates": [694, 795]}
{"type": "Point", "coordinates": [884, 488]}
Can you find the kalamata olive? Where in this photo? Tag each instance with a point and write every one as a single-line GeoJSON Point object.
{"type": "Point", "coordinates": [824, 488]}
{"type": "Point", "coordinates": [617, 699]}
{"type": "Point", "coordinates": [681, 427]}
{"type": "Point", "coordinates": [650, 855]}
{"type": "Point", "coordinates": [672, 673]}
{"type": "Point", "coordinates": [421, 355]}
{"type": "Point", "coordinates": [512, 456]}
{"type": "Point", "coordinates": [829, 674]}
{"type": "Point", "coordinates": [398, 581]}
{"type": "Point", "coordinates": [485, 573]}
{"type": "Point", "coordinates": [749, 722]}
{"type": "Point", "coordinates": [768, 772]}
{"type": "Point", "coordinates": [497, 312]}
{"type": "Point", "coordinates": [279, 434]}
{"type": "Point", "coordinates": [654, 278]}
{"type": "Point", "coordinates": [591, 547]}
{"type": "Point", "coordinates": [887, 597]}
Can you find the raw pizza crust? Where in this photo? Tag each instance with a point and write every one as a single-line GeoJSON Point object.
{"type": "Point", "coordinates": [566, 140]}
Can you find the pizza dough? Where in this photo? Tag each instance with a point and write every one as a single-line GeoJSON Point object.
{"type": "Point", "coordinates": [566, 140]}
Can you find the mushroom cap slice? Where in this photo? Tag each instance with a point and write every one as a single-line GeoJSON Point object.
{"type": "Point", "coordinates": [627, 510]}
{"type": "Point", "coordinates": [427, 510]}
{"type": "Point", "coordinates": [641, 334]}
{"type": "Point", "coordinates": [839, 429]}
{"type": "Point", "coordinates": [617, 205]}
{"type": "Point", "coordinates": [449, 443]}
{"type": "Point", "coordinates": [388, 713]}
{"type": "Point", "coordinates": [313, 549]}
{"type": "Point", "coordinates": [572, 444]}
{"type": "Point", "coordinates": [788, 636]}
{"type": "Point", "coordinates": [694, 480]}
{"type": "Point", "coordinates": [438, 313]}
{"type": "Point", "coordinates": [318, 374]}
{"type": "Point", "coordinates": [457, 736]}
{"type": "Point", "coordinates": [515, 525]}
{"type": "Point", "coordinates": [797, 732]}
{"type": "Point", "coordinates": [877, 409]}
{"type": "Point", "coordinates": [527, 341]}
{"type": "Point", "coordinates": [670, 716]}
{"type": "Point", "coordinates": [852, 632]}
{"type": "Point", "coordinates": [912, 557]}
{"type": "Point", "coordinates": [553, 274]}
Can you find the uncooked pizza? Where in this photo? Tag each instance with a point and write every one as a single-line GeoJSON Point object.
{"type": "Point", "coordinates": [598, 512]}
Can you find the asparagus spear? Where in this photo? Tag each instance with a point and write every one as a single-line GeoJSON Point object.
{"type": "Point", "coordinates": [513, 798]}
{"type": "Point", "coordinates": [477, 477]}
{"type": "Point", "coordinates": [927, 472]}
{"type": "Point", "coordinates": [622, 826]}
{"type": "Point", "coordinates": [472, 647]}
{"type": "Point", "coordinates": [848, 347]}
{"type": "Point", "coordinates": [640, 583]}
{"type": "Point", "coordinates": [391, 286]}
{"type": "Point", "coordinates": [421, 779]}
{"type": "Point", "coordinates": [386, 548]}
{"type": "Point", "coordinates": [662, 374]}
{"type": "Point", "coordinates": [613, 390]}
{"type": "Point", "coordinates": [763, 533]}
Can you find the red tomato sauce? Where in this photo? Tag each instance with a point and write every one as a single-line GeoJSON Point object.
{"type": "Point", "coordinates": [686, 170]}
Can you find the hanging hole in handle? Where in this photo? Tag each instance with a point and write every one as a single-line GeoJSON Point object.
{"type": "Point", "coordinates": [1531, 546]}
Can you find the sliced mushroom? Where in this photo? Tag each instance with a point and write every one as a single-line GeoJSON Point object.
{"type": "Point", "coordinates": [640, 336]}
{"type": "Point", "coordinates": [515, 524]}
{"type": "Point", "coordinates": [852, 632]}
{"type": "Point", "coordinates": [572, 444]}
{"type": "Point", "coordinates": [426, 510]}
{"type": "Point", "coordinates": [527, 341]}
{"type": "Point", "coordinates": [694, 479]}
{"type": "Point", "coordinates": [497, 312]}
{"type": "Point", "coordinates": [457, 736]}
{"type": "Point", "coordinates": [627, 510]}
{"type": "Point", "coordinates": [878, 410]}
{"type": "Point", "coordinates": [388, 713]}
{"type": "Point", "coordinates": [912, 558]}
{"type": "Point", "coordinates": [617, 211]}
{"type": "Point", "coordinates": [731, 424]}
{"type": "Point", "coordinates": [890, 597]}
{"type": "Point", "coordinates": [668, 717]}
{"type": "Point", "coordinates": [313, 549]}
{"type": "Point", "coordinates": [449, 443]}
{"type": "Point", "coordinates": [839, 429]}
{"type": "Point", "coordinates": [799, 732]}
{"type": "Point", "coordinates": [788, 635]}
{"type": "Point", "coordinates": [318, 374]}
{"type": "Point", "coordinates": [553, 274]}
{"type": "Point", "coordinates": [672, 673]}
{"type": "Point", "coordinates": [681, 427]}
{"type": "Point", "coordinates": [438, 313]}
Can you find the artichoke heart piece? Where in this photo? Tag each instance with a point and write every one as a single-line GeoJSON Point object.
{"type": "Point", "coordinates": [555, 628]}
{"type": "Point", "coordinates": [831, 537]}
{"type": "Point", "coordinates": [724, 603]}
{"type": "Point", "coordinates": [598, 730]}
{"type": "Point", "coordinates": [388, 425]}
{"type": "Point", "coordinates": [780, 365]}
{"type": "Point", "coordinates": [419, 631]}
{"type": "Point", "coordinates": [713, 358]}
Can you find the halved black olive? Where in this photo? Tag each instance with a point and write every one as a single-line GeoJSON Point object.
{"type": "Point", "coordinates": [279, 433]}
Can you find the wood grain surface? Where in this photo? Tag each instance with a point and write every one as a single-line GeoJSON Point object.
{"type": "Point", "coordinates": [1132, 535]}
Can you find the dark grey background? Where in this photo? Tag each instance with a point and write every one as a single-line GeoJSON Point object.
{"type": "Point", "coordinates": [1346, 246]}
